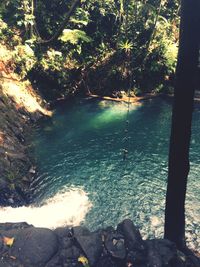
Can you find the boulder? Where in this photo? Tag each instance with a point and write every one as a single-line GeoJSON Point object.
{"type": "Point", "coordinates": [90, 243]}
{"type": "Point", "coordinates": [114, 243]}
{"type": "Point", "coordinates": [133, 239]}
{"type": "Point", "coordinates": [133, 242]}
{"type": "Point", "coordinates": [161, 253]}
{"type": "Point", "coordinates": [106, 261]}
{"type": "Point", "coordinates": [12, 226]}
{"type": "Point", "coordinates": [31, 247]}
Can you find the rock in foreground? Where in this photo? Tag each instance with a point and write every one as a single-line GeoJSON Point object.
{"type": "Point", "coordinates": [22, 245]}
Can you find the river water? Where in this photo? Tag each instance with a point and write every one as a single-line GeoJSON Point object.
{"type": "Point", "coordinates": [83, 178]}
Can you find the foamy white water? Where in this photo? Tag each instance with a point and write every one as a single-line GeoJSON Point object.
{"type": "Point", "coordinates": [66, 208]}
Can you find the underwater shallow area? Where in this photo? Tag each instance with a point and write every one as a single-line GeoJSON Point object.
{"type": "Point", "coordinates": [83, 178]}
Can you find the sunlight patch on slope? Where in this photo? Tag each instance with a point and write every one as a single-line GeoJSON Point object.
{"type": "Point", "coordinates": [20, 91]}
{"type": "Point", "coordinates": [23, 96]}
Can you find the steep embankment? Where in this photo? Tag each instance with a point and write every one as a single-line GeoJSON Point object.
{"type": "Point", "coordinates": [20, 106]}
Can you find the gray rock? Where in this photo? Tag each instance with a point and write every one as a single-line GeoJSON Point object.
{"type": "Point", "coordinates": [114, 244]}
{"type": "Point", "coordinates": [11, 226]}
{"type": "Point", "coordinates": [161, 253]}
{"type": "Point", "coordinates": [154, 258]}
{"type": "Point", "coordinates": [72, 253]}
{"type": "Point", "coordinates": [38, 247]}
{"type": "Point", "coordinates": [167, 250]}
{"type": "Point", "coordinates": [90, 243]}
{"type": "Point", "coordinates": [80, 231]}
{"type": "Point", "coordinates": [106, 261]}
{"type": "Point", "coordinates": [3, 263]}
{"type": "Point", "coordinates": [32, 246]}
{"type": "Point", "coordinates": [62, 232]}
{"type": "Point", "coordinates": [133, 242]}
{"type": "Point", "coordinates": [133, 239]}
{"type": "Point", "coordinates": [1, 243]}
{"type": "Point", "coordinates": [65, 237]}
{"type": "Point", "coordinates": [136, 257]}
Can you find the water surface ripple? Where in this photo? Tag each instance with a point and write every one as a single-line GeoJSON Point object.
{"type": "Point", "coordinates": [81, 147]}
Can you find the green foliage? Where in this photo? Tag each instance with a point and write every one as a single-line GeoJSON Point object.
{"type": "Point", "coordinates": [8, 35]}
{"type": "Point", "coordinates": [21, 57]}
{"type": "Point", "coordinates": [27, 9]}
{"type": "Point", "coordinates": [171, 52]}
{"type": "Point", "coordinates": [11, 176]}
{"type": "Point", "coordinates": [82, 17]}
{"type": "Point", "coordinates": [127, 46]}
{"type": "Point", "coordinates": [24, 59]}
{"type": "Point", "coordinates": [3, 27]}
{"type": "Point", "coordinates": [75, 36]}
{"type": "Point", "coordinates": [104, 43]}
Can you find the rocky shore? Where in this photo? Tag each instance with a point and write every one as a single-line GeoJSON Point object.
{"type": "Point", "coordinates": [15, 165]}
{"type": "Point", "coordinates": [22, 245]}
{"type": "Point", "coordinates": [20, 107]}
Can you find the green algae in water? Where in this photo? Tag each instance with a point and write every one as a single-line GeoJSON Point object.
{"type": "Point", "coordinates": [81, 147]}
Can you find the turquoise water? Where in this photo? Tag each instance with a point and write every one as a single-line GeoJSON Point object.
{"type": "Point", "coordinates": [80, 148]}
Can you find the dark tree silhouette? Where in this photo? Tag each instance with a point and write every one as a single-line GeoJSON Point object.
{"type": "Point", "coordinates": [178, 169]}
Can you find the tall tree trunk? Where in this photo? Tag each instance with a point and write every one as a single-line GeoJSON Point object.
{"type": "Point", "coordinates": [178, 168]}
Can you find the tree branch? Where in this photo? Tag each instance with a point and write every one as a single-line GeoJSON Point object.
{"type": "Point", "coordinates": [62, 26]}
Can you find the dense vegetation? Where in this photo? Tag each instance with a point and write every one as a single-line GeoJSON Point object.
{"type": "Point", "coordinates": [106, 46]}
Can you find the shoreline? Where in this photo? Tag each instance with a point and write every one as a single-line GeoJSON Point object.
{"type": "Point", "coordinates": [125, 99]}
{"type": "Point", "coordinates": [137, 99]}
{"type": "Point", "coordinates": [20, 108]}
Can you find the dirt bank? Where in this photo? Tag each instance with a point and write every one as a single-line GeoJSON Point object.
{"type": "Point", "coordinates": [20, 107]}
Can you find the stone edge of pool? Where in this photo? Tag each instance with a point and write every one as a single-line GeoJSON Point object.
{"type": "Point", "coordinates": [25, 245]}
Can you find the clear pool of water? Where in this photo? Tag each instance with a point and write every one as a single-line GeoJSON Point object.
{"type": "Point", "coordinates": [80, 150]}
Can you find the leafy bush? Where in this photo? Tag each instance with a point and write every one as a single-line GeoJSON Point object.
{"type": "Point", "coordinates": [103, 45]}
{"type": "Point", "coordinates": [24, 59]}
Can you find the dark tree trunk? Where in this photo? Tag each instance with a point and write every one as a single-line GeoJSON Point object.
{"type": "Point", "coordinates": [178, 168]}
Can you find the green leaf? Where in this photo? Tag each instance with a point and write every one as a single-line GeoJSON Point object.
{"type": "Point", "coordinates": [77, 21]}
{"type": "Point", "coordinates": [127, 45]}
{"type": "Point", "coordinates": [74, 36]}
